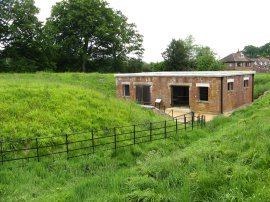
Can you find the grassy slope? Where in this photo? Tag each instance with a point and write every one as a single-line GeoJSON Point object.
{"type": "Point", "coordinates": [45, 104]}
{"type": "Point", "coordinates": [227, 161]}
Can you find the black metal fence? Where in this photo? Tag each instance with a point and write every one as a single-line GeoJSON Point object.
{"type": "Point", "coordinates": [86, 143]}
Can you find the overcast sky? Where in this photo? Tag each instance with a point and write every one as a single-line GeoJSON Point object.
{"type": "Point", "coordinates": [223, 25]}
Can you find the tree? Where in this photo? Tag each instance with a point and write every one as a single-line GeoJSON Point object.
{"type": "Point", "coordinates": [179, 56]}
{"type": "Point", "coordinates": [206, 60]}
{"type": "Point", "coordinates": [265, 50]}
{"type": "Point", "coordinates": [5, 21]}
{"type": "Point", "coordinates": [251, 51]}
{"type": "Point", "coordinates": [89, 32]}
{"type": "Point", "coordinates": [20, 35]}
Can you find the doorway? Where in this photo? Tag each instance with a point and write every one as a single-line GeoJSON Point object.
{"type": "Point", "coordinates": [143, 94]}
{"type": "Point", "coordinates": [180, 95]}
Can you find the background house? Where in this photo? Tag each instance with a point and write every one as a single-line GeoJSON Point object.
{"type": "Point", "coordinates": [238, 61]}
{"type": "Point", "coordinates": [261, 64]}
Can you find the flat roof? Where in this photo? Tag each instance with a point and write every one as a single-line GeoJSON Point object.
{"type": "Point", "coordinates": [188, 74]}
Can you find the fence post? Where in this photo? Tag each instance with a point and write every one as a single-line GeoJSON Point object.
{"type": "Point", "coordinates": [204, 121]}
{"type": "Point", "coordinates": [114, 131]}
{"type": "Point", "coordinates": [67, 144]}
{"type": "Point", "coordinates": [93, 142]}
{"type": "Point", "coordinates": [37, 149]}
{"type": "Point", "coordinates": [192, 120]}
{"type": "Point", "coordinates": [185, 121]}
{"type": "Point", "coordinates": [201, 121]}
{"type": "Point", "coordinates": [176, 125]}
{"type": "Point", "coordinates": [2, 155]}
{"type": "Point", "coordinates": [198, 120]}
{"type": "Point", "coordinates": [151, 132]}
{"type": "Point", "coordinates": [134, 134]}
{"type": "Point", "coordinates": [165, 128]}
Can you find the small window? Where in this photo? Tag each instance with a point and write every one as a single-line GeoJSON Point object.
{"type": "Point", "coordinates": [203, 93]}
{"type": "Point", "coordinates": [230, 86]}
{"type": "Point", "coordinates": [126, 90]}
{"type": "Point", "coordinates": [245, 83]}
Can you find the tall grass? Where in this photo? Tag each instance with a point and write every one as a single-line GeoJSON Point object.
{"type": "Point", "coordinates": [227, 161]}
{"type": "Point", "coordinates": [34, 105]}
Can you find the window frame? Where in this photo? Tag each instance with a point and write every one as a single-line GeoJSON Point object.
{"type": "Point", "coordinates": [246, 83]}
{"type": "Point", "coordinates": [125, 94]}
{"type": "Point", "coordinates": [230, 86]}
{"type": "Point", "coordinates": [201, 99]}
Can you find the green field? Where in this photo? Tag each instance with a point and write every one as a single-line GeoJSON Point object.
{"type": "Point", "coordinates": [229, 160]}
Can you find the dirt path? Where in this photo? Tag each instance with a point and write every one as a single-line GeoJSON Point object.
{"type": "Point", "coordinates": [178, 111]}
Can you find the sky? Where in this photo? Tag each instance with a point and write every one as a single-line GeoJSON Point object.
{"type": "Point", "coordinates": [223, 25]}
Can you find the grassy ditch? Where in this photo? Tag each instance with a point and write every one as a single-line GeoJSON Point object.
{"type": "Point", "coordinates": [227, 161]}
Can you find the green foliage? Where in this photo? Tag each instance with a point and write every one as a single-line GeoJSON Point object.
{"type": "Point", "coordinates": [206, 60]}
{"type": "Point", "coordinates": [253, 51]}
{"type": "Point", "coordinates": [184, 55]}
{"type": "Point", "coordinates": [177, 55]}
{"type": "Point", "coordinates": [20, 39]}
{"type": "Point", "coordinates": [90, 33]}
{"type": "Point", "coordinates": [80, 35]}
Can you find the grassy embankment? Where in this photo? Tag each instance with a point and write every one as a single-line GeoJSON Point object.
{"type": "Point", "coordinates": [43, 104]}
{"type": "Point", "coordinates": [227, 161]}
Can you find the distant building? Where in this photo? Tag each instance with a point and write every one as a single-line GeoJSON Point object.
{"type": "Point", "coordinates": [237, 61]}
{"type": "Point", "coordinates": [261, 64]}
{"type": "Point", "coordinates": [203, 92]}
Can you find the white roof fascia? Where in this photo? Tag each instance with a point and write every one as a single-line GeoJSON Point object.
{"type": "Point", "coordinates": [188, 74]}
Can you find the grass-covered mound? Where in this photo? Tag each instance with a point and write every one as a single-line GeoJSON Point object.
{"type": "Point", "coordinates": [34, 105]}
{"type": "Point", "coordinates": [227, 161]}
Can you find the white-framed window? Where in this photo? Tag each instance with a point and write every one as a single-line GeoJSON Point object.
{"type": "Point", "coordinates": [126, 90]}
{"type": "Point", "coordinates": [246, 79]}
{"type": "Point", "coordinates": [230, 86]}
{"type": "Point", "coordinates": [203, 93]}
{"type": "Point", "coordinates": [245, 83]}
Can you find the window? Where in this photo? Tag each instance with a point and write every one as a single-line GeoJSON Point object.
{"type": "Point", "coordinates": [126, 90]}
{"type": "Point", "coordinates": [230, 86]}
{"type": "Point", "coordinates": [203, 93]}
{"type": "Point", "coordinates": [245, 83]}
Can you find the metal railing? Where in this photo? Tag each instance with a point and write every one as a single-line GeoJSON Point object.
{"type": "Point", "coordinates": [86, 143]}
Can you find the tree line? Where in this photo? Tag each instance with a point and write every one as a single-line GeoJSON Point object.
{"type": "Point", "coordinates": [85, 36]}
{"type": "Point", "coordinates": [254, 51]}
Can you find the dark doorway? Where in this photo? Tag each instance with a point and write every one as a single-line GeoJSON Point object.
{"type": "Point", "coordinates": [143, 94]}
{"type": "Point", "coordinates": [180, 95]}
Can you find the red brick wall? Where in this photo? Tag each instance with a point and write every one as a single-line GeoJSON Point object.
{"type": "Point", "coordinates": [161, 88]}
{"type": "Point", "coordinates": [239, 96]}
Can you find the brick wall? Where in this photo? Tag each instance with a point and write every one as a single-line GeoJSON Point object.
{"type": "Point", "coordinates": [239, 96]}
{"type": "Point", "coordinates": [161, 88]}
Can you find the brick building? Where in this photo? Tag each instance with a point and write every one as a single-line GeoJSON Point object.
{"type": "Point", "coordinates": [204, 92]}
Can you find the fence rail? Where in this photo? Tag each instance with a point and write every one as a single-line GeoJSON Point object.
{"type": "Point", "coordinates": [86, 143]}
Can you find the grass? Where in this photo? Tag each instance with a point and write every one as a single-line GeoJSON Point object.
{"type": "Point", "coordinates": [227, 161]}
{"type": "Point", "coordinates": [34, 105]}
